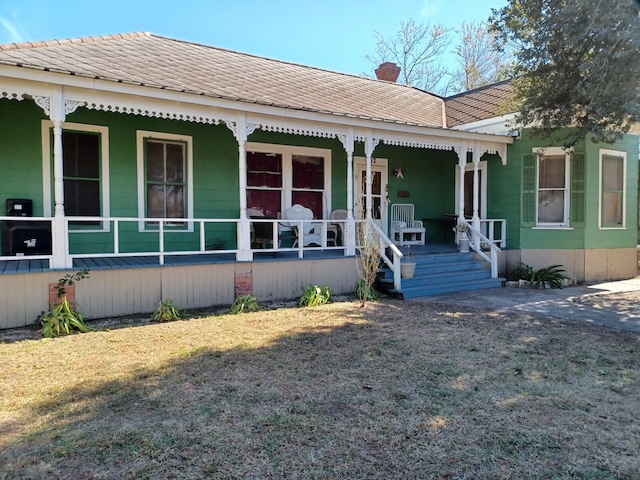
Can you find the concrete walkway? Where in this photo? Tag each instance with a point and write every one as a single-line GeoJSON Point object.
{"type": "Point", "coordinates": [567, 303]}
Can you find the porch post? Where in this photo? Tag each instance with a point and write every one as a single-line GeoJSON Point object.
{"type": "Point", "coordinates": [350, 234]}
{"type": "Point", "coordinates": [462, 162]}
{"type": "Point", "coordinates": [369, 147]}
{"type": "Point", "coordinates": [59, 234]}
{"type": "Point", "coordinates": [476, 188]}
{"type": "Point", "coordinates": [244, 227]}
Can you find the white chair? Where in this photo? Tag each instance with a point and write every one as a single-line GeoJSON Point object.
{"type": "Point", "coordinates": [311, 232]}
{"type": "Point", "coordinates": [403, 223]}
{"type": "Point", "coordinates": [336, 229]}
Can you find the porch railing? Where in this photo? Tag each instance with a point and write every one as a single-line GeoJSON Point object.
{"type": "Point", "coordinates": [153, 237]}
{"type": "Point", "coordinates": [157, 226]}
{"type": "Point", "coordinates": [28, 223]}
{"type": "Point", "coordinates": [477, 241]}
{"type": "Point", "coordinates": [495, 230]}
{"type": "Point", "coordinates": [385, 243]}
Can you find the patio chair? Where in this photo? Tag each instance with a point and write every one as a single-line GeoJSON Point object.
{"type": "Point", "coordinates": [335, 229]}
{"type": "Point", "coordinates": [404, 229]}
{"type": "Point", "coordinates": [261, 232]}
{"type": "Point", "coordinates": [311, 233]}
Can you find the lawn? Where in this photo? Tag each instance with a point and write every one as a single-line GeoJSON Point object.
{"type": "Point", "coordinates": [395, 390]}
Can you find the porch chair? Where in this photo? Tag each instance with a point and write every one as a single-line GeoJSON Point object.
{"type": "Point", "coordinates": [403, 223]}
{"type": "Point", "coordinates": [336, 229]}
{"type": "Point", "coordinates": [261, 232]}
{"type": "Point", "coordinates": [311, 232]}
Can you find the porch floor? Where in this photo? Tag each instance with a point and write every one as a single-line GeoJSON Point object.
{"type": "Point", "coordinates": [25, 265]}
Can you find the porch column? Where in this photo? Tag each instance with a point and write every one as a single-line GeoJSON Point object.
{"type": "Point", "coordinates": [244, 227]}
{"type": "Point", "coordinates": [369, 147]}
{"type": "Point", "coordinates": [476, 188]}
{"type": "Point", "coordinates": [59, 233]}
{"type": "Point", "coordinates": [462, 163]}
{"type": "Point", "coordinates": [350, 234]}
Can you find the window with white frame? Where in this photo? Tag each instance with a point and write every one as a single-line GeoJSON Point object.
{"type": "Point", "coordinates": [552, 188]}
{"type": "Point", "coordinates": [85, 172]}
{"type": "Point", "coordinates": [612, 188]}
{"type": "Point", "coordinates": [280, 176]}
{"type": "Point", "coordinates": [164, 176]}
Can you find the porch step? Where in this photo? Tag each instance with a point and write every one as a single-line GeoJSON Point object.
{"type": "Point", "coordinates": [441, 273]}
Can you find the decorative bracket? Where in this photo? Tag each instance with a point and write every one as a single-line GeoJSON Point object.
{"type": "Point", "coordinates": [71, 106]}
{"type": "Point", "coordinates": [44, 103]}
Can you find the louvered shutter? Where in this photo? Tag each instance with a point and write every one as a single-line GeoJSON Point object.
{"type": "Point", "coordinates": [529, 162]}
{"type": "Point", "coordinates": [577, 189]}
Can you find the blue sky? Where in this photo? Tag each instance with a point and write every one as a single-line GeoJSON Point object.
{"type": "Point", "coordinates": [330, 34]}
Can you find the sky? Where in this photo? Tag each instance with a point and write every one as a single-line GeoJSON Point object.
{"type": "Point", "coordinates": [330, 34]}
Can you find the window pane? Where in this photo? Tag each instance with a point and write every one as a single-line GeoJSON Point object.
{"type": "Point", "coordinates": [175, 201]}
{"type": "Point", "coordinates": [612, 173]}
{"type": "Point", "coordinates": [612, 208]}
{"type": "Point", "coordinates": [551, 206]}
{"type": "Point", "coordinates": [88, 155]}
{"type": "Point", "coordinates": [155, 201]}
{"type": "Point", "coordinates": [264, 170]}
{"type": "Point", "coordinates": [268, 201]}
{"type": "Point", "coordinates": [155, 161]}
{"type": "Point", "coordinates": [551, 171]}
{"type": "Point", "coordinates": [175, 163]}
{"type": "Point", "coordinates": [69, 154]}
{"type": "Point", "coordinates": [308, 172]}
{"type": "Point", "coordinates": [311, 200]}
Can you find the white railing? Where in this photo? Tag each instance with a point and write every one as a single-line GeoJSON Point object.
{"type": "Point", "coordinates": [114, 224]}
{"type": "Point", "coordinates": [489, 227]}
{"type": "Point", "coordinates": [385, 242]}
{"type": "Point", "coordinates": [477, 241]}
{"type": "Point", "coordinates": [284, 232]}
{"type": "Point", "coordinates": [28, 222]}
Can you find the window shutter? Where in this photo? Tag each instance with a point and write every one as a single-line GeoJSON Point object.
{"type": "Point", "coordinates": [577, 189]}
{"type": "Point", "coordinates": [529, 189]}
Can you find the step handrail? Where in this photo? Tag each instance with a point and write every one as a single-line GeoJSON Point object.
{"type": "Point", "coordinates": [475, 242]}
{"type": "Point", "coordinates": [392, 263]}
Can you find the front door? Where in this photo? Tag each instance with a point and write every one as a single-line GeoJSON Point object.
{"type": "Point", "coordinates": [379, 189]}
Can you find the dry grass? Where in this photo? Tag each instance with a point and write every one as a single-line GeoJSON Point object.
{"type": "Point", "coordinates": [389, 391]}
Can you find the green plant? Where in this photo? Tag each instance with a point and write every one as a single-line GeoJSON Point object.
{"type": "Point", "coordinates": [245, 303]}
{"type": "Point", "coordinates": [166, 312]}
{"type": "Point", "coordinates": [314, 295]}
{"type": "Point", "coordinates": [371, 293]}
{"type": "Point", "coordinates": [552, 275]}
{"type": "Point", "coordinates": [62, 318]}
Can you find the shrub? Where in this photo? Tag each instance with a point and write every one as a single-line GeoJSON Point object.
{"type": "Point", "coordinates": [245, 303]}
{"type": "Point", "coordinates": [62, 317]}
{"type": "Point", "coordinates": [165, 312]}
{"type": "Point", "coordinates": [552, 275]}
{"type": "Point", "coordinates": [371, 293]}
{"type": "Point", "coordinates": [314, 295]}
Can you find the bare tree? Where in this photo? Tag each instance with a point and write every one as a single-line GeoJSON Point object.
{"type": "Point", "coordinates": [478, 61]}
{"type": "Point", "coordinates": [417, 49]}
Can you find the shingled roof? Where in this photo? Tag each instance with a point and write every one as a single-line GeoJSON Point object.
{"type": "Point", "coordinates": [164, 63]}
{"type": "Point", "coordinates": [479, 104]}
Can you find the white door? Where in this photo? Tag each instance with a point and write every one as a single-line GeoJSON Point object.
{"type": "Point", "coordinates": [379, 190]}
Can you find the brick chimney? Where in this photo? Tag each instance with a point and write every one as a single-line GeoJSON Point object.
{"type": "Point", "coordinates": [388, 71]}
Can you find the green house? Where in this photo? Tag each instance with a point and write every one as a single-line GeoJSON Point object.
{"type": "Point", "coordinates": [183, 171]}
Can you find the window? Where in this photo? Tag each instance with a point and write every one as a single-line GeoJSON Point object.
{"type": "Point", "coordinates": [612, 189]}
{"type": "Point", "coordinates": [85, 171]}
{"type": "Point", "coordinates": [164, 177]}
{"type": "Point", "coordinates": [552, 190]}
{"type": "Point", "coordinates": [280, 176]}
{"type": "Point", "coordinates": [81, 174]}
